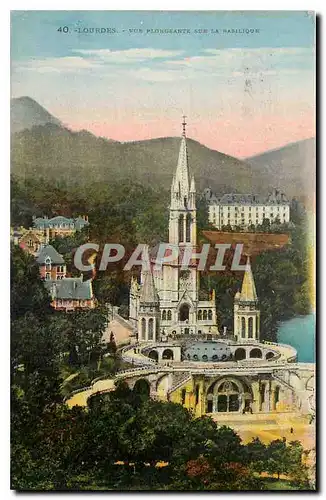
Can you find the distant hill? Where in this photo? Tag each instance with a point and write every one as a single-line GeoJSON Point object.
{"type": "Point", "coordinates": [290, 168]}
{"type": "Point", "coordinates": [42, 147]}
{"type": "Point", "coordinates": [26, 113]}
{"type": "Point", "coordinates": [79, 158]}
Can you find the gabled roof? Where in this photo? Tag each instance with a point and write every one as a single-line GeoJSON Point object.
{"type": "Point", "coordinates": [70, 288]}
{"type": "Point", "coordinates": [49, 251]}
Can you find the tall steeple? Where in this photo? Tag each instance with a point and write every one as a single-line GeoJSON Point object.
{"type": "Point", "coordinates": [246, 312]}
{"type": "Point", "coordinates": [181, 180]}
{"type": "Point", "coordinates": [182, 226]}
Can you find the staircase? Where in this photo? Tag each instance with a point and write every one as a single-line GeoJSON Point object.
{"type": "Point", "coordinates": [178, 380]}
{"type": "Point", "coordinates": [279, 378]}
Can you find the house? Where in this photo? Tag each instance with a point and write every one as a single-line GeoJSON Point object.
{"type": "Point", "coordinates": [51, 264]}
{"type": "Point", "coordinates": [28, 239]}
{"type": "Point", "coordinates": [69, 294]}
{"type": "Point", "coordinates": [59, 225]}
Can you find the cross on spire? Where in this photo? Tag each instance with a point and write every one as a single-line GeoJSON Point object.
{"type": "Point", "coordinates": [184, 123]}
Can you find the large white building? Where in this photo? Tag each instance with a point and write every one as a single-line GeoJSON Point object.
{"type": "Point", "coordinates": [167, 300]}
{"type": "Point", "coordinates": [245, 210]}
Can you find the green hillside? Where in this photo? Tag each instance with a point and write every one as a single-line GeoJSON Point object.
{"type": "Point", "coordinates": [54, 152]}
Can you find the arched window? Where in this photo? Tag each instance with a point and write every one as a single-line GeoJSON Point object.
{"type": "Point", "coordinates": [255, 353]}
{"type": "Point", "coordinates": [169, 315]}
{"type": "Point", "coordinates": [153, 355]}
{"type": "Point", "coordinates": [143, 328]}
{"type": "Point", "coordinates": [210, 315]}
{"type": "Point", "coordinates": [240, 354]}
{"type": "Point", "coordinates": [243, 327]}
{"type": "Point", "coordinates": [150, 328]}
{"type": "Point", "coordinates": [181, 228]}
{"type": "Point", "coordinates": [167, 354]}
{"type": "Point", "coordinates": [164, 315]}
{"type": "Point", "coordinates": [270, 355]}
{"type": "Point", "coordinates": [184, 312]}
{"type": "Point", "coordinates": [200, 315]}
{"type": "Point", "coordinates": [188, 227]}
{"type": "Point", "coordinates": [250, 327]}
{"type": "Point", "coordinates": [225, 396]}
{"type": "Point", "coordinates": [205, 314]}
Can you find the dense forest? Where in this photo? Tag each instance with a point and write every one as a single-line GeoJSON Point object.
{"type": "Point", "coordinates": [124, 441]}
{"type": "Point", "coordinates": [130, 213]}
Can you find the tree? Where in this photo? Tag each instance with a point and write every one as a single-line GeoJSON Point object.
{"type": "Point", "coordinates": [256, 454]}
{"type": "Point", "coordinates": [277, 457]}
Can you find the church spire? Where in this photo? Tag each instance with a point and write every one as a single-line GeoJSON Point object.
{"type": "Point", "coordinates": [184, 123]}
{"type": "Point", "coordinates": [182, 171]}
{"type": "Point", "coordinates": [248, 289]}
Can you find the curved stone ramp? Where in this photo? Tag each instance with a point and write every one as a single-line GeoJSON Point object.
{"type": "Point", "coordinates": [81, 397]}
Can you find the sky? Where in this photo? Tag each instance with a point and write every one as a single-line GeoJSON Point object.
{"type": "Point", "coordinates": [243, 92]}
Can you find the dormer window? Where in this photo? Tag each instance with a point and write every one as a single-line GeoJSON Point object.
{"type": "Point", "coordinates": [48, 263]}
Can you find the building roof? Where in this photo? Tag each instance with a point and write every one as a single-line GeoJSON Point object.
{"type": "Point", "coordinates": [44, 222]}
{"type": "Point", "coordinates": [49, 251]}
{"type": "Point", "coordinates": [248, 289]}
{"type": "Point", "coordinates": [148, 293]}
{"type": "Point", "coordinates": [70, 288]}
{"type": "Point", "coordinates": [274, 198]}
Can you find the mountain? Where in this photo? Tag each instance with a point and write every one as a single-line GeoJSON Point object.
{"type": "Point", "coordinates": [26, 113]}
{"type": "Point", "coordinates": [42, 147]}
{"type": "Point", "coordinates": [291, 168]}
{"type": "Point", "coordinates": [57, 153]}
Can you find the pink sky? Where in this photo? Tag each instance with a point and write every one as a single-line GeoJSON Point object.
{"type": "Point", "coordinates": [233, 135]}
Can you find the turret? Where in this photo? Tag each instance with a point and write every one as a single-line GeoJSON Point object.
{"type": "Point", "coordinates": [149, 313]}
{"type": "Point", "coordinates": [246, 312]}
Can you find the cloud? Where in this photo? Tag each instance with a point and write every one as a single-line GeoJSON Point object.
{"type": "Point", "coordinates": [157, 65]}
{"type": "Point", "coordinates": [130, 55]}
{"type": "Point", "coordinates": [56, 64]}
{"type": "Point", "coordinates": [242, 61]}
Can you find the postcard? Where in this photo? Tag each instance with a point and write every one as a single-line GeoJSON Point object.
{"type": "Point", "coordinates": [163, 251]}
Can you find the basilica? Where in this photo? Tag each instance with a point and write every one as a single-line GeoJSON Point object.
{"type": "Point", "coordinates": [168, 301]}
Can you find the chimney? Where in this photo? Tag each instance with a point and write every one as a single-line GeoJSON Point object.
{"type": "Point", "coordinates": [47, 235]}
